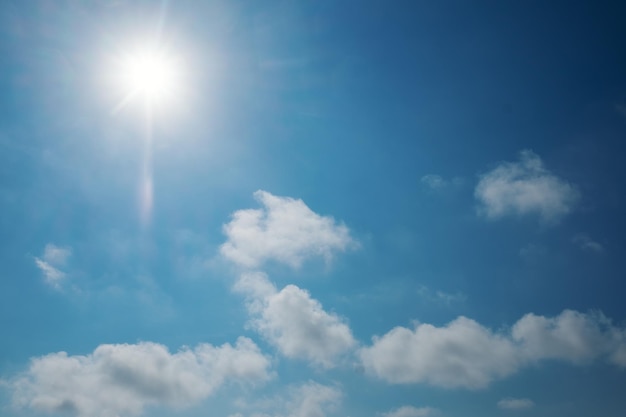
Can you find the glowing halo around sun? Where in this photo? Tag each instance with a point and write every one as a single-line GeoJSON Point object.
{"type": "Point", "coordinates": [147, 77]}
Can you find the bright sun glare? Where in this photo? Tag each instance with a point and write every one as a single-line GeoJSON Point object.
{"type": "Point", "coordinates": [150, 74]}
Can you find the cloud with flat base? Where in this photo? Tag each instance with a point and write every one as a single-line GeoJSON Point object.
{"type": "Point", "coordinates": [523, 188]}
{"type": "Point", "coordinates": [123, 379]}
{"type": "Point", "coordinates": [466, 354]}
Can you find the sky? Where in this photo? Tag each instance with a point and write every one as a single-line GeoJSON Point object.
{"type": "Point", "coordinates": [312, 208]}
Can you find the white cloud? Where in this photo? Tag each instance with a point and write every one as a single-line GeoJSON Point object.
{"type": "Point", "coordinates": [56, 255]}
{"type": "Point", "coordinates": [571, 336]}
{"type": "Point", "coordinates": [313, 400]}
{"type": "Point", "coordinates": [410, 411]}
{"type": "Point", "coordinates": [585, 243]}
{"type": "Point", "coordinates": [525, 187]}
{"type": "Point", "coordinates": [515, 403]}
{"type": "Point", "coordinates": [309, 399]}
{"type": "Point", "coordinates": [53, 258]}
{"type": "Point", "coordinates": [123, 379]}
{"type": "Point", "coordinates": [294, 322]}
{"type": "Point", "coordinates": [52, 276]}
{"type": "Point", "coordinates": [467, 354]}
{"type": "Point", "coordinates": [461, 354]}
{"type": "Point", "coordinates": [283, 230]}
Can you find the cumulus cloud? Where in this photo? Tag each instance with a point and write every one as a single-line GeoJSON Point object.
{"type": "Point", "coordinates": [292, 321]}
{"type": "Point", "coordinates": [460, 354]}
{"type": "Point", "coordinates": [524, 187]}
{"type": "Point", "coordinates": [515, 403]}
{"type": "Point", "coordinates": [50, 263]}
{"type": "Point", "coordinates": [122, 379]}
{"type": "Point", "coordinates": [571, 336]}
{"type": "Point", "coordinates": [410, 411]}
{"type": "Point", "coordinates": [466, 354]}
{"type": "Point", "coordinates": [283, 230]}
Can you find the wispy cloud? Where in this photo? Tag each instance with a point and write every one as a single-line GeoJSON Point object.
{"type": "Point", "coordinates": [124, 379]}
{"type": "Point", "coordinates": [515, 404]}
{"type": "Point", "coordinates": [466, 354]}
{"type": "Point", "coordinates": [525, 187]}
{"type": "Point", "coordinates": [433, 181]}
{"type": "Point", "coordinates": [533, 253]}
{"type": "Point", "coordinates": [292, 321]}
{"type": "Point", "coordinates": [585, 243]}
{"type": "Point", "coordinates": [50, 263]}
{"type": "Point", "coordinates": [56, 255]}
{"type": "Point", "coordinates": [410, 411]}
{"type": "Point", "coordinates": [440, 297]}
{"type": "Point", "coordinates": [310, 399]}
{"type": "Point", "coordinates": [437, 182]}
{"type": "Point", "coordinates": [283, 230]}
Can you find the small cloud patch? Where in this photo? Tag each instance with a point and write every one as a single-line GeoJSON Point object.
{"type": "Point", "coordinates": [410, 411]}
{"type": "Point", "coordinates": [587, 244]}
{"type": "Point", "coordinates": [50, 263]}
{"type": "Point", "coordinates": [523, 188]}
{"type": "Point", "coordinates": [515, 404]}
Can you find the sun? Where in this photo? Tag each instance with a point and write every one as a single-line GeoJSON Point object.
{"type": "Point", "coordinates": [150, 74]}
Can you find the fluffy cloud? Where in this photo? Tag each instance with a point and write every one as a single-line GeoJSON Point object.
{"type": "Point", "coordinates": [122, 379]}
{"type": "Point", "coordinates": [467, 354]}
{"type": "Point", "coordinates": [515, 403]}
{"type": "Point", "coordinates": [410, 411]}
{"type": "Point", "coordinates": [461, 354]}
{"type": "Point", "coordinates": [53, 258]}
{"type": "Point", "coordinates": [571, 336]}
{"type": "Point", "coordinates": [525, 187]}
{"type": "Point", "coordinates": [294, 322]}
{"type": "Point", "coordinates": [283, 230]}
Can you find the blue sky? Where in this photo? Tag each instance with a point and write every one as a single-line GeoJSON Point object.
{"type": "Point", "coordinates": [336, 208]}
